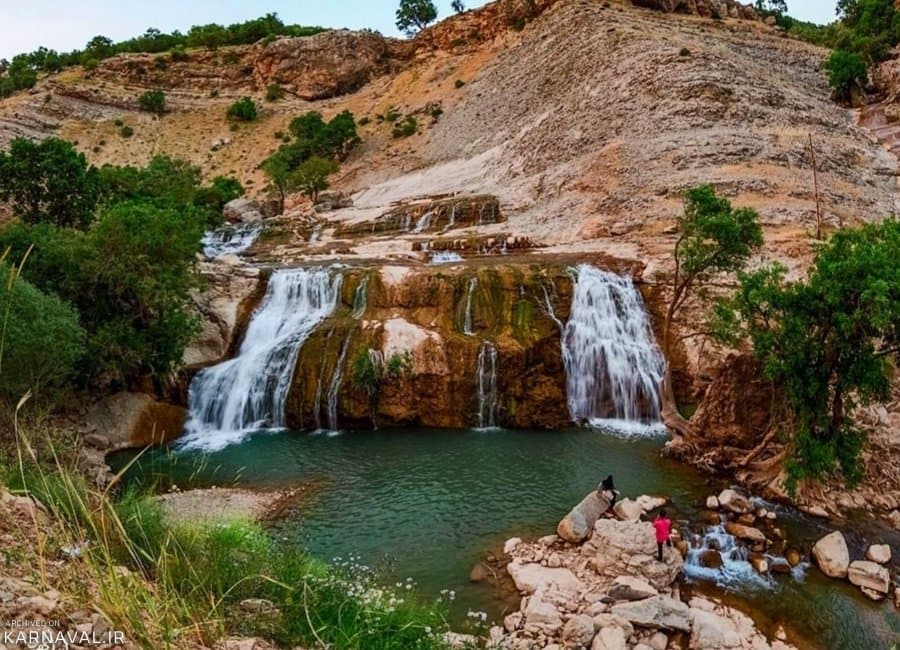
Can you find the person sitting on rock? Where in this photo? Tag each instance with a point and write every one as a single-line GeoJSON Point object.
{"type": "Point", "coordinates": [663, 526]}
{"type": "Point", "coordinates": [607, 490]}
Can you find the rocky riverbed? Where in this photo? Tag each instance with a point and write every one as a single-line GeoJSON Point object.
{"type": "Point", "coordinates": [597, 582]}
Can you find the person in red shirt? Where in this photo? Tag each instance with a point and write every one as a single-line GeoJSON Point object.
{"type": "Point", "coordinates": [663, 526]}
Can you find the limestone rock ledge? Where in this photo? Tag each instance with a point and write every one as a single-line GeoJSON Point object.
{"type": "Point", "coordinates": [609, 592]}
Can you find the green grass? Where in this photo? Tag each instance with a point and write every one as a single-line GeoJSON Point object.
{"type": "Point", "coordinates": [187, 581]}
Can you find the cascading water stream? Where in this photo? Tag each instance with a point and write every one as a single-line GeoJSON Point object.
{"type": "Point", "coordinates": [359, 299]}
{"type": "Point", "coordinates": [424, 222]}
{"type": "Point", "coordinates": [487, 386]}
{"type": "Point", "coordinates": [613, 366]}
{"type": "Point", "coordinates": [335, 388]}
{"type": "Point", "coordinates": [467, 316]}
{"type": "Point", "coordinates": [228, 401]}
{"type": "Point", "coordinates": [230, 240]}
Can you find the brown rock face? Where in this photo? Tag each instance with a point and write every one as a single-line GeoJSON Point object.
{"type": "Point", "coordinates": [404, 347]}
{"type": "Point", "coordinates": [707, 8]}
{"type": "Point", "coordinates": [321, 66]}
{"type": "Point", "coordinates": [131, 420]}
{"type": "Point", "coordinates": [736, 408]}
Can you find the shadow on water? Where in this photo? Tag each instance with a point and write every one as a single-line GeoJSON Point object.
{"type": "Point", "coordinates": [429, 504]}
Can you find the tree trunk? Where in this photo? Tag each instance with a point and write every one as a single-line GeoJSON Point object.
{"type": "Point", "coordinates": [671, 417]}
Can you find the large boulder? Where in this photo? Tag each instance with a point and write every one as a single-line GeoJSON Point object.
{"type": "Point", "coordinates": [223, 306]}
{"type": "Point", "coordinates": [131, 420]}
{"type": "Point", "coordinates": [631, 588]}
{"type": "Point", "coordinates": [242, 210]}
{"type": "Point", "coordinates": [610, 638]}
{"type": "Point", "coordinates": [659, 612]}
{"type": "Point", "coordinates": [628, 510]}
{"type": "Point", "coordinates": [832, 555]}
{"type": "Point", "coordinates": [734, 501]}
{"type": "Point", "coordinates": [747, 533]}
{"type": "Point", "coordinates": [578, 632]}
{"type": "Point", "coordinates": [628, 548]}
{"type": "Point", "coordinates": [532, 578]}
{"type": "Point", "coordinates": [713, 632]}
{"type": "Point", "coordinates": [576, 526]}
{"type": "Point", "coordinates": [870, 575]}
{"type": "Point", "coordinates": [541, 616]}
{"type": "Point", "coordinates": [880, 553]}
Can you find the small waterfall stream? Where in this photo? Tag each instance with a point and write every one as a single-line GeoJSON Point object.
{"type": "Point", "coordinates": [467, 317]}
{"type": "Point", "coordinates": [248, 393]}
{"type": "Point", "coordinates": [487, 386]}
{"type": "Point", "coordinates": [613, 365]}
{"type": "Point", "coordinates": [230, 240]}
{"type": "Point", "coordinates": [335, 388]}
{"type": "Point", "coordinates": [360, 298]}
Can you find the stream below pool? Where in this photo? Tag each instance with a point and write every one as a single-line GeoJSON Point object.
{"type": "Point", "coordinates": [429, 504]}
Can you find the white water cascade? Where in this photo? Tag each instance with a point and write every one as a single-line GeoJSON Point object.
{"type": "Point", "coordinates": [228, 401]}
{"type": "Point", "coordinates": [230, 240]}
{"type": "Point", "coordinates": [467, 316]}
{"type": "Point", "coordinates": [487, 386]}
{"type": "Point", "coordinates": [613, 366]}
{"type": "Point", "coordinates": [360, 298]}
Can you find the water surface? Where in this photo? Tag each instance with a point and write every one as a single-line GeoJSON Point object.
{"type": "Point", "coordinates": [429, 504]}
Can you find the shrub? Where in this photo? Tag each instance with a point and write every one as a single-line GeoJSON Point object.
{"type": "Point", "coordinates": [118, 122]}
{"type": "Point", "coordinates": [178, 53]}
{"type": "Point", "coordinates": [41, 340]}
{"type": "Point", "coordinates": [126, 132]}
{"type": "Point", "coordinates": [49, 181]}
{"type": "Point", "coordinates": [406, 128]}
{"type": "Point", "coordinates": [364, 120]}
{"type": "Point", "coordinates": [846, 71]}
{"type": "Point", "coordinates": [243, 110]}
{"type": "Point", "coordinates": [153, 101]}
{"type": "Point", "coordinates": [91, 64]}
{"type": "Point", "coordinates": [399, 365]}
{"type": "Point", "coordinates": [214, 92]}
{"type": "Point", "coordinates": [366, 371]}
{"type": "Point", "coordinates": [274, 92]}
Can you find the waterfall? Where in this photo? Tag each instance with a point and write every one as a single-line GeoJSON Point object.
{"type": "Point", "coordinates": [320, 380]}
{"type": "Point", "coordinates": [228, 401]}
{"type": "Point", "coordinates": [230, 240]}
{"type": "Point", "coordinates": [424, 222]}
{"type": "Point", "coordinates": [335, 387]}
{"type": "Point", "coordinates": [613, 365]}
{"type": "Point", "coordinates": [548, 308]}
{"type": "Point", "coordinates": [446, 257]}
{"type": "Point", "coordinates": [467, 319]}
{"type": "Point", "coordinates": [487, 385]}
{"type": "Point", "coordinates": [359, 298]}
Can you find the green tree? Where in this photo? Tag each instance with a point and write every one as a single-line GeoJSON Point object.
{"type": "Point", "coordinates": [458, 6]}
{"type": "Point", "coordinates": [312, 176]}
{"type": "Point", "coordinates": [846, 71]}
{"type": "Point", "coordinates": [832, 341]}
{"type": "Point", "coordinates": [153, 101]}
{"type": "Point", "coordinates": [143, 259]}
{"type": "Point", "coordinates": [414, 15]}
{"type": "Point", "coordinates": [244, 110]}
{"type": "Point", "coordinates": [713, 238]}
{"type": "Point", "coordinates": [41, 340]}
{"type": "Point", "coordinates": [278, 170]}
{"type": "Point", "coordinates": [49, 181]}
